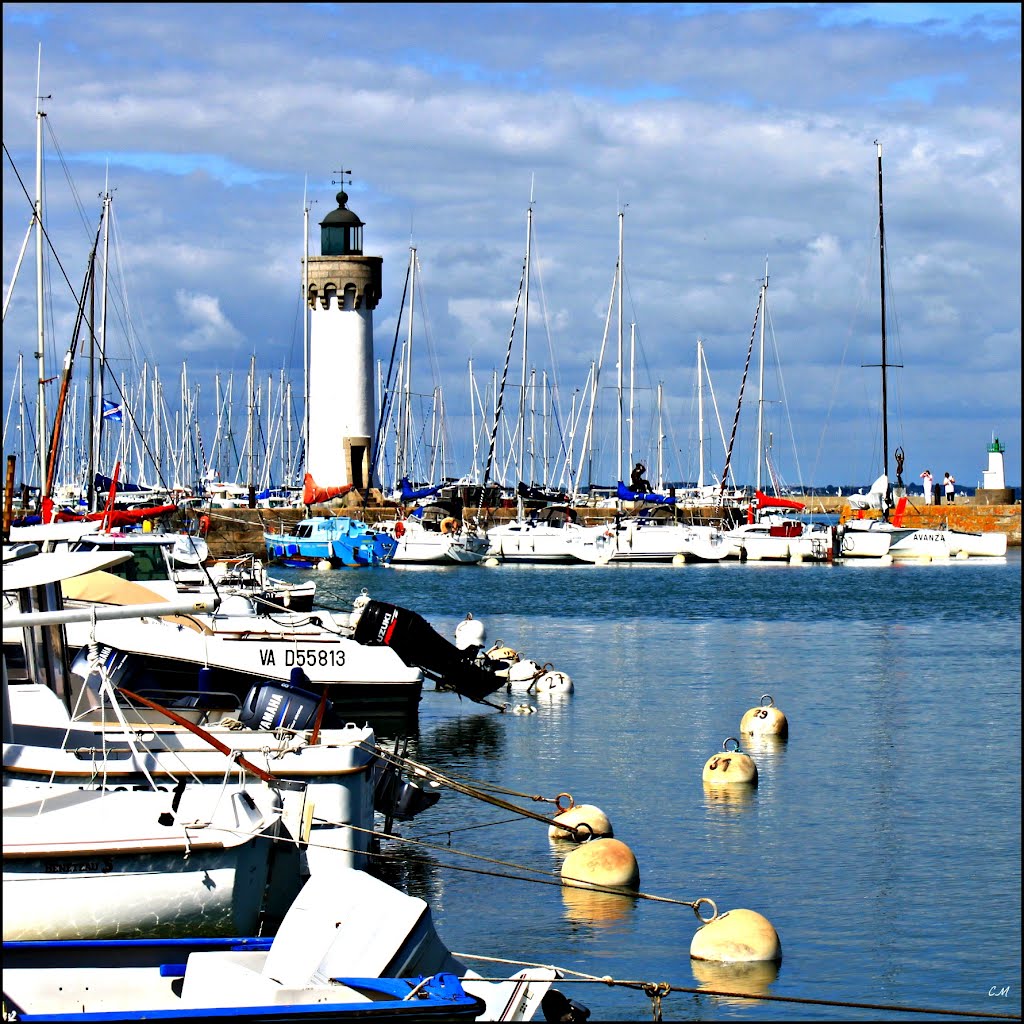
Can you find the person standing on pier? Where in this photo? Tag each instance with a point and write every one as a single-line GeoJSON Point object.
{"type": "Point", "coordinates": [949, 486]}
{"type": "Point", "coordinates": [926, 477]}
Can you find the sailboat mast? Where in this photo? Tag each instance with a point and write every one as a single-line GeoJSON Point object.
{"type": "Point", "coordinates": [526, 329]}
{"type": "Point", "coordinates": [619, 385]}
{"type": "Point", "coordinates": [700, 414]}
{"type": "Point", "coordinates": [661, 439]}
{"type": "Point", "coordinates": [760, 383]}
{"type": "Point", "coordinates": [405, 466]}
{"type": "Point", "coordinates": [90, 416]}
{"type": "Point", "coordinates": [881, 270]}
{"type": "Point", "coordinates": [305, 330]}
{"type": "Point", "coordinates": [41, 452]}
{"type": "Point", "coordinates": [632, 375]}
{"type": "Point", "coordinates": [97, 422]}
{"type": "Point", "coordinates": [250, 435]}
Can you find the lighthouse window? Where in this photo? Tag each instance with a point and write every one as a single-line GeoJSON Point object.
{"type": "Point", "coordinates": [343, 240]}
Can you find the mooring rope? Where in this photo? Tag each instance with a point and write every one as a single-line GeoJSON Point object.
{"type": "Point", "coordinates": [656, 991]}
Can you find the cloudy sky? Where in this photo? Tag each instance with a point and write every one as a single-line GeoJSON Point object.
{"type": "Point", "coordinates": [731, 137]}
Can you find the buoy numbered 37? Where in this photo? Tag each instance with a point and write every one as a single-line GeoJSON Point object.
{"type": "Point", "coordinates": [729, 767]}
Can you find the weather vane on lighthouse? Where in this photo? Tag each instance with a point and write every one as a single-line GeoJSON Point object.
{"type": "Point", "coordinates": [342, 181]}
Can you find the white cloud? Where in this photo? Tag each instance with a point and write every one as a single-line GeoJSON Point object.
{"type": "Point", "coordinates": [208, 327]}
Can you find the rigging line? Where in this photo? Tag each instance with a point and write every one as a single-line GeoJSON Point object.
{"type": "Point", "coordinates": [471, 828]}
{"type": "Point", "coordinates": [551, 878]}
{"type": "Point", "coordinates": [972, 1014]}
{"type": "Point", "coordinates": [387, 398]}
{"type": "Point", "coordinates": [501, 392]}
{"type": "Point", "coordinates": [46, 234]}
{"type": "Point", "coordinates": [425, 771]}
{"type": "Point", "coordinates": [739, 401]}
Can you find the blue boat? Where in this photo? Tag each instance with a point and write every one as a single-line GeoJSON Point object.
{"type": "Point", "coordinates": [350, 948]}
{"type": "Point", "coordinates": [118, 981]}
{"type": "Point", "coordinates": [340, 540]}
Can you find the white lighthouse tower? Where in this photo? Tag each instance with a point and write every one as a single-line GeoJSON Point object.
{"type": "Point", "coordinates": [343, 289]}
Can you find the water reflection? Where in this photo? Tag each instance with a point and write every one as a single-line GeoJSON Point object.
{"type": "Point", "coordinates": [745, 978]}
{"type": "Point", "coordinates": [729, 798]}
{"type": "Point", "coordinates": [469, 736]}
{"type": "Point", "coordinates": [585, 906]}
{"type": "Point", "coordinates": [415, 875]}
{"type": "Point", "coordinates": [768, 748]}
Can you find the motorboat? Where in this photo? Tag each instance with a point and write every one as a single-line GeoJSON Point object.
{"type": "Point", "coordinates": [336, 540]}
{"type": "Point", "coordinates": [436, 534]}
{"type": "Point", "coordinates": [93, 862]}
{"type": "Point", "coordinates": [350, 947]}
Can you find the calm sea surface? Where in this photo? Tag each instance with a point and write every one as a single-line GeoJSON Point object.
{"type": "Point", "coordinates": [883, 841]}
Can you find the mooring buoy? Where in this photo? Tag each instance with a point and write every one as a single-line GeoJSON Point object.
{"type": "Point", "coordinates": [737, 936]}
{"type": "Point", "coordinates": [590, 820]}
{"type": "Point", "coordinates": [765, 720]}
{"type": "Point", "coordinates": [730, 767]}
{"type": "Point", "coordinates": [602, 862]}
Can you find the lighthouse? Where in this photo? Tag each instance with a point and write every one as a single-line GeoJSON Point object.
{"type": "Point", "coordinates": [343, 288]}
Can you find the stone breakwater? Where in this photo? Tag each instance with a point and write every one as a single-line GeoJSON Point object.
{"type": "Point", "coordinates": [239, 531]}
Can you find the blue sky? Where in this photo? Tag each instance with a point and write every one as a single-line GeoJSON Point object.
{"type": "Point", "coordinates": [730, 135]}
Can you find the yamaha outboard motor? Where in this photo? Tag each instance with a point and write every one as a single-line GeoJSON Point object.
{"type": "Point", "coordinates": [417, 643]}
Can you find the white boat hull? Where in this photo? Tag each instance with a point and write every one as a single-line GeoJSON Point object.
{"type": "Point", "coordinates": [527, 542]}
{"type": "Point", "coordinates": [976, 545]}
{"type": "Point", "coordinates": [863, 544]}
{"type": "Point", "coordinates": [105, 866]}
{"type": "Point", "coordinates": [705, 544]}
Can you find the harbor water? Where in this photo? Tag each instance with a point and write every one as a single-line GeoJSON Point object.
{"type": "Point", "coordinates": [882, 840]}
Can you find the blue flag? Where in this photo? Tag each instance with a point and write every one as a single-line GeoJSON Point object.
{"type": "Point", "coordinates": [112, 411]}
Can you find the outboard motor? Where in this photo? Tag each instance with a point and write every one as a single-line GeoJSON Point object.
{"type": "Point", "coordinates": [274, 705]}
{"type": "Point", "coordinates": [417, 643]}
{"type": "Point", "coordinates": [398, 798]}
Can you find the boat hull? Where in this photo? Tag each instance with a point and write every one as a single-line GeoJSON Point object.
{"type": "Point", "coordinates": [125, 872]}
{"type": "Point", "coordinates": [339, 540]}
{"type": "Point", "coordinates": [164, 660]}
{"type": "Point", "coordinates": [976, 545]}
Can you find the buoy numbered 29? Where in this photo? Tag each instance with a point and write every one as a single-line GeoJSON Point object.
{"type": "Point", "coordinates": [730, 767]}
{"type": "Point", "coordinates": [765, 720]}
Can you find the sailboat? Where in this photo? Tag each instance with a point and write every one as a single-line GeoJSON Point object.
{"type": "Point", "coordinates": [904, 542]}
{"type": "Point", "coordinates": [432, 531]}
{"type": "Point", "coordinates": [551, 535]}
{"type": "Point", "coordinates": [651, 531]}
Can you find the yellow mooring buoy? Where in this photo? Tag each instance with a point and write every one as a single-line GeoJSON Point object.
{"type": "Point", "coordinates": [590, 820]}
{"type": "Point", "coordinates": [765, 720]}
{"type": "Point", "coordinates": [602, 862]}
{"type": "Point", "coordinates": [737, 936]}
{"type": "Point", "coordinates": [730, 767]}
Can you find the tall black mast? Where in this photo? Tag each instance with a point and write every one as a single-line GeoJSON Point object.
{"type": "Point", "coordinates": [881, 268]}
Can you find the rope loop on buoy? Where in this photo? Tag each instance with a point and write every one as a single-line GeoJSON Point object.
{"type": "Point", "coordinates": [568, 807]}
{"type": "Point", "coordinates": [767, 697]}
{"type": "Point", "coordinates": [655, 991]}
{"type": "Point", "coordinates": [580, 836]}
{"type": "Point", "coordinates": [711, 903]}
{"type": "Point", "coordinates": [725, 745]}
